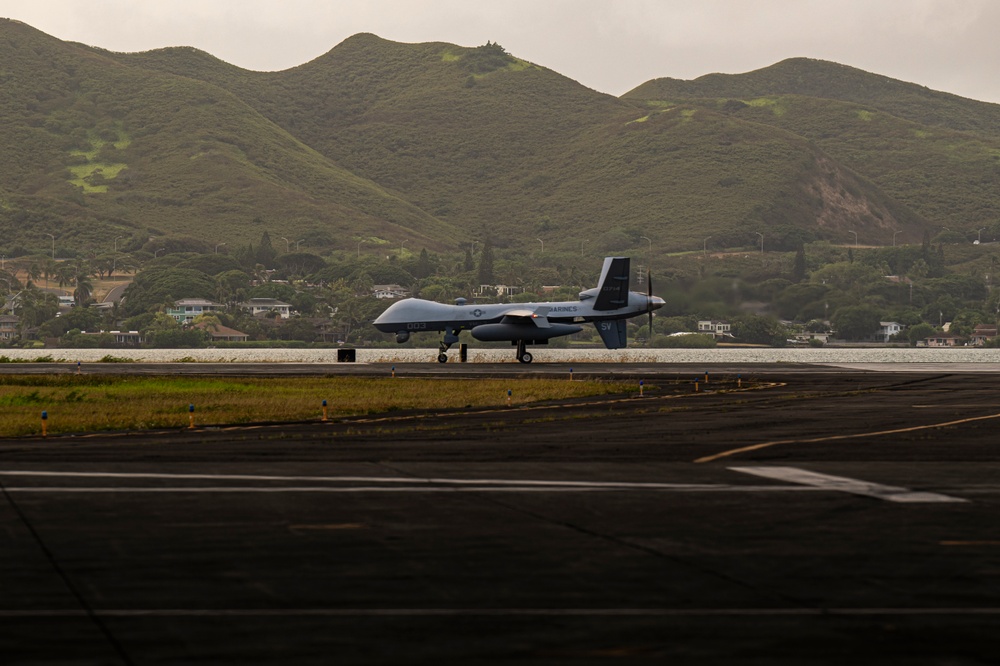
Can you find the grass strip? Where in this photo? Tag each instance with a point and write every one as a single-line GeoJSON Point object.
{"type": "Point", "coordinates": [81, 403]}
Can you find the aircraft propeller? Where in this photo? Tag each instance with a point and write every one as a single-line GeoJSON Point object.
{"type": "Point", "coordinates": [649, 306]}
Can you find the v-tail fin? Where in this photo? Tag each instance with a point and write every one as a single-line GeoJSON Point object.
{"type": "Point", "coordinates": [612, 333]}
{"type": "Point", "coordinates": [612, 292]}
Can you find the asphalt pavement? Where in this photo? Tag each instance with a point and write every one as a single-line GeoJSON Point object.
{"type": "Point", "coordinates": [777, 515]}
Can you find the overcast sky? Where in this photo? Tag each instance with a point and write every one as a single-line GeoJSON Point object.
{"type": "Point", "coordinates": [608, 45]}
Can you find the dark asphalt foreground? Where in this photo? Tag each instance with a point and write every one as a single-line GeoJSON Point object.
{"type": "Point", "coordinates": [822, 517]}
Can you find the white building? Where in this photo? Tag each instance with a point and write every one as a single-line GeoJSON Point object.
{"type": "Point", "coordinates": [719, 329]}
{"type": "Point", "coordinates": [186, 309]}
{"type": "Point", "coordinates": [887, 329]}
{"type": "Point", "coordinates": [389, 291]}
{"type": "Point", "coordinates": [260, 306]}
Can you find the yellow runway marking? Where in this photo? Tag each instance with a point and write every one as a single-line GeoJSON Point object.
{"type": "Point", "coordinates": [338, 526]}
{"type": "Point", "coordinates": [832, 438]}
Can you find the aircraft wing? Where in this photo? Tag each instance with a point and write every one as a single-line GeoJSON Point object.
{"type": "Point", "coordinates": [526, 317]}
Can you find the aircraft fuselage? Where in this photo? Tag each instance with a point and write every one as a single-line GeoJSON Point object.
{"type": "Point", "coordinates": [414, 315]}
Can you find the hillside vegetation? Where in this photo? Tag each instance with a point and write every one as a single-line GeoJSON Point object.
{"type": "Point", "coordinates": [436, 145]}
{"type": "Point", "coordinates": [937, 153]}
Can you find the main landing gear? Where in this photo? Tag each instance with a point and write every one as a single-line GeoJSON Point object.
{"type": "Point", "coordinates": [523, 355]}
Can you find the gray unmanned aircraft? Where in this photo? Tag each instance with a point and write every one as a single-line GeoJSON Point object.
{"type": "Point", "coordinates": [608, 305]}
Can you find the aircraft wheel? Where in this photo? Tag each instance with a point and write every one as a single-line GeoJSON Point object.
{"type": "Point", "coordinates": [525, 357]}
{"type": "Point", "coordinates": [442, 358]}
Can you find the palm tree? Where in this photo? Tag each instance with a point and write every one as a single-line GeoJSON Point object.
{"type": "Point", "coordinates": [84, 285]}
{"type": "Point", "coordinates": [65, 272]}
{"type": "Point", "coordinates": [34, 271]}
{"type": "Point", "coordinates": [48, 269]}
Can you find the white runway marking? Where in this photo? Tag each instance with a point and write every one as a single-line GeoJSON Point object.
{"type": "Point", "coordinates": [364, 479]}
{"type": "Point", "coordinates": [846, 485]}
{"type": "Point", "coordinates": [806, 481]}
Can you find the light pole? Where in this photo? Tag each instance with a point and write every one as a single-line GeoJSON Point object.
{"type": "Point", "coordinates": [114, 258]}
{"type": "Point", "coordinates": [218, 245]}
{"type": "Point", "coordinates": [648, 241]}
{"type": "Point", "coordinates": [979, 235]}
{"type": "Point", "coordinates": [582, 241]}
{"type": "Point", "coordinates": [286, 243]}
{"type": "Point", "coordinates": [855, 237]}
{"type": "Point", "coordinates": [543, 244]}
{"type": "Point", "coordinates": [53, 246]}
{"type": "Point", "coordinates": [359, 248]}
{"type": "Point", "coordinates": [894, 236]}
{"type": "Point", "coordinates": [155, 254]}
{"type": "Point", "coordinates": [704, 246]}
{"type": "Point", "coordinates": [297, 244]}
{"type": "Point", "coordinates": [401, 248]}
{"type": "Point", "coordinates": [761, 241]}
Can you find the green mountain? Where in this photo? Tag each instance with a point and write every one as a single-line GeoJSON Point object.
{"type": "Point", "coordinates": [939, 154]}
{"type": "Point", "coordinates": [95, 149]}
{"type": "Point", "coordinates": [497, 146]}
{"type": "Point", "coordinates": [438, 145]}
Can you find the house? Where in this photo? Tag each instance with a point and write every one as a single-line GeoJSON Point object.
{"type": "Point", "coordinates": [982, 334]}
{"type": "Point", "coordinates": [806, 336]}
{"type": "Point", "coordinates": [389, 291]}
{"type": "Point", "coordinates": [942, 340]}
{"type": "Point", "coordinates": [498, 289]}
{"type": "Point", "coordinates": [186, 309]}
{"type": "Point", "coordinates": [719, 329]}
{"type": "Point", "coordinates": [261, 306]}
{"type": "Point", "coordinates": [122, 338]}
{"type": "Point", "coordinates": [220, 333]}
{"type": "Point", "coordinates": [128, 338]}
{"type": "Point", "coordinates": [887, 329]}
{"type": "Point", "coordinates": [8, 327]}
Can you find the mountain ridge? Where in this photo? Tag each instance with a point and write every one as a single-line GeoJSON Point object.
{"type": "Point", "coordinates": [438, 145]}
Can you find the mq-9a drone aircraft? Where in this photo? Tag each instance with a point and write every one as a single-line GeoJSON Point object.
{"type": "Point", "coordinates": [608, 305]}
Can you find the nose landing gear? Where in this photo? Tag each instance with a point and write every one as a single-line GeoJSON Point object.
{"type": "Point", "coordinates": [450, 338]}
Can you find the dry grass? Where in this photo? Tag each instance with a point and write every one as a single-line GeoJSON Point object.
{"type": "Point", "coordinates": [75, 403]}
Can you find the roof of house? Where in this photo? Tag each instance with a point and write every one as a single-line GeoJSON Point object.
{"type": "Point", "coordinates": [265, 302]}
{"type": "Point", "coordinates": [196, 301]}
{"type": "Point", "coordinates": [218, 330]}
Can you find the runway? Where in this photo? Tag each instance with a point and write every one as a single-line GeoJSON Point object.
{"type": "Point", "coordinates": [834, 516]}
